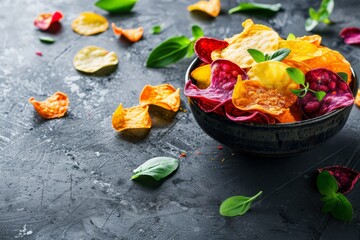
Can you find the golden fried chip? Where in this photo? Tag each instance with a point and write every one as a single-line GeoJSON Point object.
{"type": "Point", "coordinates": [314, 39]}
{"type": "Point", "coordinates": [301, 50]}
{"type": "Point", "coordinates": [165, 96]}
{"type": "Point", "coordinates": [133, 34]}
{"type": "Point", "coordinates": [285, 117]}
{"type": "Point", "coordinates": [211, 7]}
{"type": "Point", "coordinates": [131, 118]}
{"type": "Point", "coordinates": [202, 76]}
{"type": "Point", "coordinates": [254, 36]}
{"type": "Point", "coordinates": [92, 58]}
{"type": "Point", "coordinates": [89, 23]}
{"type": "Point", "coordinates": [300, 65]}
{"type": "Point", "coordinates": [53, 107]}
{"type": "Point", "coordinates": [357, 98]}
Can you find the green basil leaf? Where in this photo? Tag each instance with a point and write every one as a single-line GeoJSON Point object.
{"type": "Point", "coordinates": [237, 205]}
{"type": "Point", "coordinates": [246, 6]}
{"type": "Point", "coordinates": [157, 168]}
{"type": "Point", "coordinates": [190, 50]}
{"type": "Point", "coordinates": [329, 203]}
{"type": "Point", "coordinates": [327, 183]}
{"type": "Point", "coordinates": [48, 40]}
{"type": "Point", "coordinates": [327, 5]}
{"type": "Point", "coordinates": [343, 76]}
{"type": "Point", "coordinates": [168, 52]}
{"type": "Point", "coordinates": [257, 55]}
{"type": "Point", "coordinates": [156, 29]}
{"type": "Point", "coordinates": [197, 32]}
{"type": "Point", "coordinates": [297, 92]}
{"type": "Point", "coordinates": [296, 75]}
{"type": "Point", "coordinates": [116, 6]}
{"type": "Point", "coordinates": [310, 24]}
{"type": "Point", "coordinates": [291, 36]}
{"type": "Point", "coordinates": [313, 14]}
{"type": "Point", "coordinates": [323, 16]}
{"type": "Point", "coordinates": [319, 95]}
{"type": "Point", "coordinates": [280, 54]}
{"type": "Point", "coordinates": [343, 209]}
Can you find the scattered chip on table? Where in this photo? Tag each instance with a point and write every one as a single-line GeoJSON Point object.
{"type": "Point", "coordinates": [133, 34]}
{"type": "Point", "coordinates": [44, 20]}
{"type": "Point", "coordinates": [89, 23]}
{"type": "Point", "coordinates": [131, 118]}
{"type": "Point", "coordinates": [165, 96]}
{"type": "Point", "coordinates": [210, 7]}
{"type": "Point", "coordinates": [53, 107]}
{"type": "Point", "coordinates": [357, 98]}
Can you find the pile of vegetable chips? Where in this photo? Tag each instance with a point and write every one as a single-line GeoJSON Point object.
{"type": "Point", "coordinates": [256, 76]}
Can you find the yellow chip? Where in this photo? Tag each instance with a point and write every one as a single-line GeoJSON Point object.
{"type": "Point", "coordinates": [301, 50]}
{"type": "Point", "coordinates": [202, 76]}
{"type": "Point", "coordinates": [254, 36]}
{"type": "Point", "coordinates": [92, 58]}
{"type": "Point", "coordinates": [313, 39]}
{"type": "Point", "coordinates": [211, 7]}
{"type": "Point", "coordinates": [89, 23]}
{"type": "Point", "coordinates": [165, 96]}
{"type": "Point", "coordinates": [300, 65]}
{"type": "Point", "coordinates": [131, 118]}
{"type": "Point", "coordinates": [357, 98]}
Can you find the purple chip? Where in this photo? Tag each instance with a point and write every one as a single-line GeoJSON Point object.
{"type": "Point", "coordinates": [338, 94]}
{"type": "Point", "coordinates": [351, 35]}
{"type": "Point", "coordinates": [205, 46]}
{"type": "Point", "coordinates": [238, 115]}
{"type": "Point", "coordinates": [345, 177]}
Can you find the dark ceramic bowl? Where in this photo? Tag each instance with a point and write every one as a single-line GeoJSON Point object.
{"type": "Point", "coordinates": [271, 140]}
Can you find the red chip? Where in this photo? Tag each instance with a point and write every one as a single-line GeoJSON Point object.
{"type": "Point", "coordinates": [44, 20]}
{"type": "Point", "coordinates": [345, 177]}
{"type": "Point", "coordinates": [338, 93]}
{"type": "Point", "coordinates": [351, 35]}
{"type": "Point", "coordinates": [224, 75]}
{"type": "Point", "coordinates": [205, 46]}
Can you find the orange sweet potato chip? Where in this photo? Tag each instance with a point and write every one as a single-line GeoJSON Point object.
{"type": "Point", "coordinates": [357, 98]}
{"type": "Point", "coordinates": [285, 117]}
{"type": "Point", "coordinates": [165, 96]}
{"type": "Point", "coordinates": [53, 107]}
{"type": "Point", "coordinates": [202, 76]}
{"type": "Point", "coordinates": [131, 118]}
{"type": "Point", "coordinates": [211, 7]}
{"type": "Point", "coordinates": [133, 34]}
{"type": "Point", "coordinates": [314, 39]}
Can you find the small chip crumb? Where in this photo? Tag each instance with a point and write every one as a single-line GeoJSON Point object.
{"type": "Point", "coordinates": [183, 154]}
{"type": "Point", "coordinates": [220, 147]}
{"type": "Point", "coordinates": [39, 53]}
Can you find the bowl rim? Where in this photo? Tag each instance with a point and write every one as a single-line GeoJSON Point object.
{"type": "Point", "coordinates": [354, 82]}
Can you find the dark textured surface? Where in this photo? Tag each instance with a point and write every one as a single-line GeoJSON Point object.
{"type": "Point", "coordinates": [69, 178]}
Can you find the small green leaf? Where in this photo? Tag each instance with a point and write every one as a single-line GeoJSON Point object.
{"type": "Point", "coordinates": [280, 54]}
{"type": "Point", "coordinates": [323, 16]}
{"type": "Point", "coordinates": [116, 6]}
{"type": "Point", "coordinates": [246, 6]}
{"type": "Point", "coordinates": [156, 29]}
{"type": "Point", "coordinates": [257, 55]}
{"type": "Point", "coordinates": [297, 92]}
{"type": "Point", "coordinates": [327, 183]}
{"type": "Point", "coordinates": [291, 36]}
{"type": "Point", "coordinates": [342, 210]}
{"type": "Point", "coordinates": [48, 40]}
{"type": "Point", "coordinates": [329, 202]}
{"type": "Point", "coordinates": [237, 205]}
{"type": "Point", "coordinates": [168, 52]}
{"type": "Point", "coordinates": [296, 75]}
{"type": "Point", "coordinates": [343, 76]}
{"type": "Point", "coordinates": [197, 32]}
{"type": "Point", "coordinates": [319, 95]}
{"type": "Point", "coordinates": [157, 168]}
{"type": "Point", "coordinates": [313, 14]}
{"type": "Point", "coordinates": [310, 24]}
{"type": "Point", "coordinates": [327, 5]}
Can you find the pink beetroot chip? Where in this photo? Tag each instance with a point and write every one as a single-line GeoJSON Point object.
{"type": "Point", "coordinates": [44, 20]}
{"type": "Point", "coordinates": [345, 177]}
{"type": "Point", "coordinates": [224, 75]}
{"type": "Point", "coordinates": [351, 35]}
{"type": "Point", "coordinates": [238, 115]}
{"type": "Point", "coordinates": [338, 94]}
{"type": "Point", "coordinates": [205, 46]}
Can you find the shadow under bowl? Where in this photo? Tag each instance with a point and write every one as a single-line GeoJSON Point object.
{"type": "Point", "coordinates": [271, 140]}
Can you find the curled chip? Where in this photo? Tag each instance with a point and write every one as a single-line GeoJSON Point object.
{"type": "Point", "coordinates": [331, 60]}
{"type": "Point", "coordinates": [131, 118]}
{"type": "Point", "coordinates": [338, 93]}
{"type": "Point", "coordinates": [133, 35]}
{"type": "Point", "coordinates": [238, 115]}
{"type": "Point", "coordinates": [357, 98]}
{"type": "Point", "coordinates": [351, 35]}
{"type": "Point", "coordinates": [53, 107]}
{"type": "Point", "coordinates": [302, 50]}
{"type": "Point", "coordinates": [345, 177]}
{"type": "Point", "coordinates": [44, 20]}
{"type": "Point", "coordinates": [224, 74]}
{"type": "Point", "coordinates": [165, 96]}
{"type": "Point", "coordinates": [89, 23]}
{"type": "Point", "coordinates": [211, 7]}
{"type": "Point", "coordinates": [254, 36]}
{"type": "Point", "coordinates": [314, 39]}
{"type": "Point", "coordinates": [202, 76]}
{"type": "Point", "coordinates": [204, 47]}
{"type": "Point", "coordinates": [91, 59]}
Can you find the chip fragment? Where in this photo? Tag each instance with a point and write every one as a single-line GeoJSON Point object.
{"type": "Point", "coordinates": [89, 23]}
{"type": "Point", "coordinates": [351, 35]}
{"type": "Point", "coordinates": [204, 47]}
{"type": "Point", "coordinates": [165, 96]}
{"type": "Point", "coordinates": [210, 7]}
{"type": "Point", "coordinates": [53, 107]}
{"type": "Point", "coordinates": [44, 20]}
{"type": "Point", "coordinates": [357, 98]}
{"type": "Point", "coordinates": [92, 58]}
{"type": "Point", "coordinates": [345, 177]}
{"type": "Point", "coordinates": [133, 34]}
{"type": "Point", "coordinates": [131, 118]}
{"type": "Point", "coordinates": [313, 39]}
